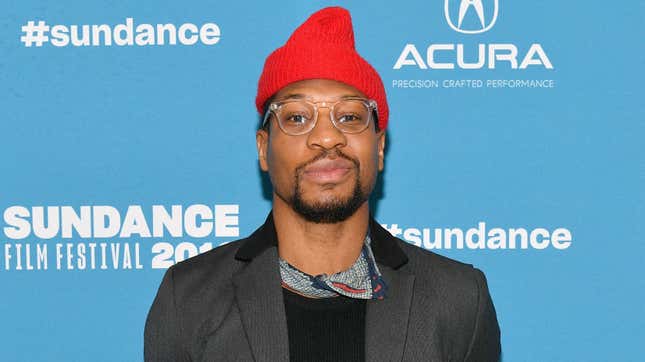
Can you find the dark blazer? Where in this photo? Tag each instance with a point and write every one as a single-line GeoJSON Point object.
{"type": "Point", "coordinates": [226, 305]}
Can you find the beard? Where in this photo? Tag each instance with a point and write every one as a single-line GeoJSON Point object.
{"type": "Point", "coordinates": [333, 210]}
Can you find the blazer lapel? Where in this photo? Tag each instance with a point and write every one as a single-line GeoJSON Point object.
{"type": "Point", "coordinates": [259, 297]}
{"type": "Point", "coordinates": [387, 319]}
{"type": "Point", "coordinates": [386, 324]}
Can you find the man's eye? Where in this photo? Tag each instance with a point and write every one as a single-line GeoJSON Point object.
{"type": "Point", "coordinates": [296, 119]}
{"type": "Point", "coordinates": [349, 118]}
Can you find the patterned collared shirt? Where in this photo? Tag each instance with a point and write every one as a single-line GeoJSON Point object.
{"type": "Point", "coordinates": [362, 280]}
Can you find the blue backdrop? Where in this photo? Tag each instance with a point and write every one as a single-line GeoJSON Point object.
{"type": "Point", "coordinates": [547, 135]}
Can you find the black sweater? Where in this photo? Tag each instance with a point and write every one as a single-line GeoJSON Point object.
{"type": "Point", "coordinates": [326, 329]}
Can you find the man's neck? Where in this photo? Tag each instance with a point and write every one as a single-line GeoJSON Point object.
{"type": "Point", "coordinates": [319, 248]}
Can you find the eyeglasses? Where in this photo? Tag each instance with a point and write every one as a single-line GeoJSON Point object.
{"type": "Point", "coordinates": [299, 116]}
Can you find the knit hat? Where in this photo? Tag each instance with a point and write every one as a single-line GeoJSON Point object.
{"type": "Point", "coordinates": [322, 48]}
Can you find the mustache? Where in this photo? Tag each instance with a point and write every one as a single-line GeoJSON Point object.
{"type": "Point", "coordinates": [334, 153]}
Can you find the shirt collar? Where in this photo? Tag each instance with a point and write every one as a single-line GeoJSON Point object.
{"type": "Point", "coordinates": [383, 244]}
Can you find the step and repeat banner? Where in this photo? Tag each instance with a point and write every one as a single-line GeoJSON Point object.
{"type": "Point", "coordinates": [515, 143]}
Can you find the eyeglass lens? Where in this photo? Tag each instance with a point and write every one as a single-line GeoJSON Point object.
{"type": "Point", "coordinates": [349, 116]}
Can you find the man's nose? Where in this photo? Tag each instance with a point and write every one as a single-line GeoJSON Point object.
{"type": "Point", "coordinates": [325, 134]}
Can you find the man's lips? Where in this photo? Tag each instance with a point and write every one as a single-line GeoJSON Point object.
{"type": "Point", "coordinates": [328, 170]}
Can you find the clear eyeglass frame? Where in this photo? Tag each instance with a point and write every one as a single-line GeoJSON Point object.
{"type": "Point", "coordinates": [275, 107]}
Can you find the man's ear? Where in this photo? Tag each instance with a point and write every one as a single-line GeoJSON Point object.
{"type": "Point", "coordinates": [262, 143]}
{"type": "Point", "coordinates": [381, 149]}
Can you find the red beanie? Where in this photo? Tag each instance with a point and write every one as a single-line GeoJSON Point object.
{"type": "Point", "coordinates": [322, 48]}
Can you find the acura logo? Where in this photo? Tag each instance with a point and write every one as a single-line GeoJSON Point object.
{"type": "Point", "coordinates": [469, 9]}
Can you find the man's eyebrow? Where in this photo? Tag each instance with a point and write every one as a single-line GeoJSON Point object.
{"type": "Point", "coordinates": [294, 96]}
{"type": "Point", "coordinates": [351, 96]}
{"type": "Point", "coordinates": [302, 96]}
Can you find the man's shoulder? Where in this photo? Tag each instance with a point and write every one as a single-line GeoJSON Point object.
{"type": "Point", "coordinates": [443, 286]}
{"type": "Point", "coordinates": [220, 257]}
{"type": "Point", "coordinates": [199, 289]}
{"type": "Point", "coordinates": [438, 271]}
{"type": "Point", "coordinates": [420, 257]}
{"type": "Point", "coordinates": [209, 270]}
{"type": "Point", "coordinates": [454, 297]}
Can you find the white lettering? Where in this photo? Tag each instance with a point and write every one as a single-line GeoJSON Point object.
{"type": "Point", "coordinates": [536, 49]}
{"type": "Point", "coordinates": [18, 228]}
{"type": "Point", "coordinates": [82, 224]}
{"type": "Point", "coordinates": [511, 56]}
{"type": "Point", "coordinates": [134, 223]}
{"type": "Point", "coordinates": [106, 228]}
{"type": "Point", "coordinates": [410, 49]}
{"type": "Point", "coordinates": [490, 54]}
{"type": "Point", "coordinates": [209, 34]}
{"type": "Point", "coordinates": [561, 238]}
{"type": "Point", "coordinates": [432, 49]}
{"type": "Point", "coordinates": [226, 220]}
{"type": "Point", "coordinates": [191, 224]}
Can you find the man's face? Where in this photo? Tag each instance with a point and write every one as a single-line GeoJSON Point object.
{"type": "Point", "coordinates": [324, 175]}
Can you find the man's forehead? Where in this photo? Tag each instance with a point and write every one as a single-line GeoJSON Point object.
{"type": "Point", "coordinates": [318, 88]}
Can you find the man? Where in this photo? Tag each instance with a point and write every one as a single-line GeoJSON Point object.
{"type": "Point", "coordinates": [321, 280]}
